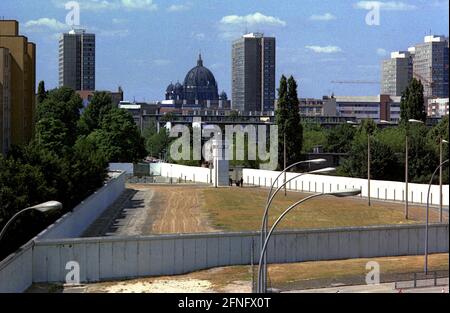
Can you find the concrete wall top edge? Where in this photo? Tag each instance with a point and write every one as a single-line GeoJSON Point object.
{"type": "Point", "coordinates": [230, 234]}
{"type": "Point", "coordinates": [13, 256]}
{"type": "Point", "coordinates": [116, 176]}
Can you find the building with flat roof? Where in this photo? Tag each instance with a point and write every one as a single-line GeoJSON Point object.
{"type": "Point", "coordinates": [5, 101]}
{"type": "Point", "coordinates": [18, 73]}
{"type": "Point", "coordinates": [437, 107]}
{"type": "Point", "coordinates": [396, 73]}
{"type": "Point", "coordinates": [86, 96]}
{"type": "Point", "coordinates": [253, 73]}
{"type": "Point", "coordinates": [381, 107]}
{"type": "Point", "coordinates": [77, 60]}
{"type": "Point", "coordinates": [324, 107]}
{"type": "Point", "coordinates": [431, 66]}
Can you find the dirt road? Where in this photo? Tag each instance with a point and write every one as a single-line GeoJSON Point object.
{"type": "Point", "coordinates": [153, 209]}
{"type": "Point", "coordinates": [176, 209]}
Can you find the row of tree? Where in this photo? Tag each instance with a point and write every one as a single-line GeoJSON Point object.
{"type": "Point", "coordinates": [66, 160]}
{"type": "Point", "coordinates": [388, 145]}
{"type": "Point", "coordinates": [350, 141]}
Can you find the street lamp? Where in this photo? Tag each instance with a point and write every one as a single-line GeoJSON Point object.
{"type": "Point", "coordinates": [270, 197]}
{"type": "Point", "coordinates": [441, 159]}
{"type": "Point", "coordinates": [427, 218]}
{"type": "Point", "coordinates": [406, 166]}
{"type": "Point", "coordinates": [264, 225]}
{"type": "Point", "coordinates": [342, 193]}
{"type": "Point", "coordinates": [43, 208]}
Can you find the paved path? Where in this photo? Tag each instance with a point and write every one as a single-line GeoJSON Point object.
{"type": "Point", "coordinates": [153, 209]}
{"type": "Point", "coordinates": [381, 288]}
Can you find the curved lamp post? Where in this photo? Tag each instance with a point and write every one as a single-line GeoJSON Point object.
{"type": "Point", "coordinates": [427, 218]}
{"type": "Point", "coordinates": [43, 208]}
{"type": "Point", "coordinates": [343, 193]}
{"type": "Point", "coordinates": [270, 197]}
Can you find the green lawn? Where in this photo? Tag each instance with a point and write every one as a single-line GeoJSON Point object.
{"type": "Point", "coordinates": [239, 209]}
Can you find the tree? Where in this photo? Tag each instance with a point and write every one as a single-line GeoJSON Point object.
{"type": "Point", "coordinates": [158, 144]}
{"type": "Point", "coordinates": [313, 136]}
{"type": "Point", "coordinates": [423, 157]}
{"type": "Point", "coordinates": [384, 163]}
{"type": "Point", "coordinates": [62, 104]}
{"type": "Point", "coordinates": [339, 138]}
{"type": "Point", "coordinates": [41, 94]}
{"type": "Point", "coordinates": [100, 104]}
{"type": "Point", "coordinates": [281, 117]}
{"type": "Point", "coordinates": [288, 121]}
{"type": "Point", "coordinates": [294, 128]}
{"type": "Point", "coordinates": [52, 134]}
{"type": "Point", "coordinates": [394, 137]}
{"type": "Point", "coordinates": [412, 103]}
{"type": "Point", "coordinates": [118, 137]}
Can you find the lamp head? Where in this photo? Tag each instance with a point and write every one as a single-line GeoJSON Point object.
{"type": "Point", "coordinates": [345, 193]}
{"type": "Point", "coordinates": [317, 161]}
{"type": "Point", "coordinates": [323, 170]}
{"type": "Point", "coordinates": [48, 206]}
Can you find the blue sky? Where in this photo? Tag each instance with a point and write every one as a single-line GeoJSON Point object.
{"type": "Point", "coordinates": [143, 45]}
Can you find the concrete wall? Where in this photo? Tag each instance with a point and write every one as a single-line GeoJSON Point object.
{"type": "Point", "coordinates": [384, 190]}
{"type": "Point", "coordinates": [123, 167]}
{"type": "Point", "coordinates": [16, 271]}
{"type": "Point", "coordinates": [73, 224]}
{"type": "Point", "coordinates": [190, 173]}
{"type": "Point", "coordinates": [120, 258]}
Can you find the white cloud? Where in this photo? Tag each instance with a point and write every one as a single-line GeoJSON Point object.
{"type": "Point", "coordinates": [388, 5]}
{"type": "Point", "coordinates": [45, 23]}
{"type": "Point", "coordinates": [179, 7]}
{"type": "Point", "coordinates": [139, 4]}
{"type": "Point", "coordinates": [324, 49]}
{"type": "Point", "coordinates": [255, 19]}
{"type": "Point", "coordinates": [382, 52]}
{"type": "Point", "coordinates": [96, 5]}
{"type": "Point", "coordinates": [322, 17]}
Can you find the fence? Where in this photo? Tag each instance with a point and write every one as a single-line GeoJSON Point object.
{"type": "Point", "coordinates": [123, 258]}
{"type": "Point", "coordinates": [382, 190]}
{"type": "Point", "coordinates": [74, 223]}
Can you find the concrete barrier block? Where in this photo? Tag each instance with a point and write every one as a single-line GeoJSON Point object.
{"type": "Point", "coordinates": [106, 257]}
{"type": "Point", "coordinates": [189, 257]}
{"type": "Point", "coordinates": [131, 258]}
{"type": "Point", "coordinates": [143, 258]}
{"type": "Point", "coordinates": [179, 257]}
{"type": "Point", "coordinates": [224, 251]}
{"type": "Point", "coordinates": [156, 257]}
{"type": "Point", "coordinates": [200, 253]}
{"type": "Point", "coordinates": [92, 262]}
{"type": "Point", "coordinates": [235, 250]}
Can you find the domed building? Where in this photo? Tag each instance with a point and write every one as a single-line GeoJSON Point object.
{"type": "Point", "coordinates": [200, 83]}
{"type": "Point", "coordinates": [199, 90]}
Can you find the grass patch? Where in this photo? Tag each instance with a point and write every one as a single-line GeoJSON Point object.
{"type": "Point", "coordinates": [241, 209]}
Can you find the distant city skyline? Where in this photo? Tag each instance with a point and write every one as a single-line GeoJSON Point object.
{"type": "Point", "coordinates": [144, 44]}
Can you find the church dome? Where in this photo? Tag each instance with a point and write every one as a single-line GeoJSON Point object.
{"type": "Point", "coordinates": [170, 88]}
{"type": "Point", "coordinates": [223, 96]}
{"type": "Point", "coordinates": [178, 87]}
{"type": "Point", "coordinates": [200, 83]}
